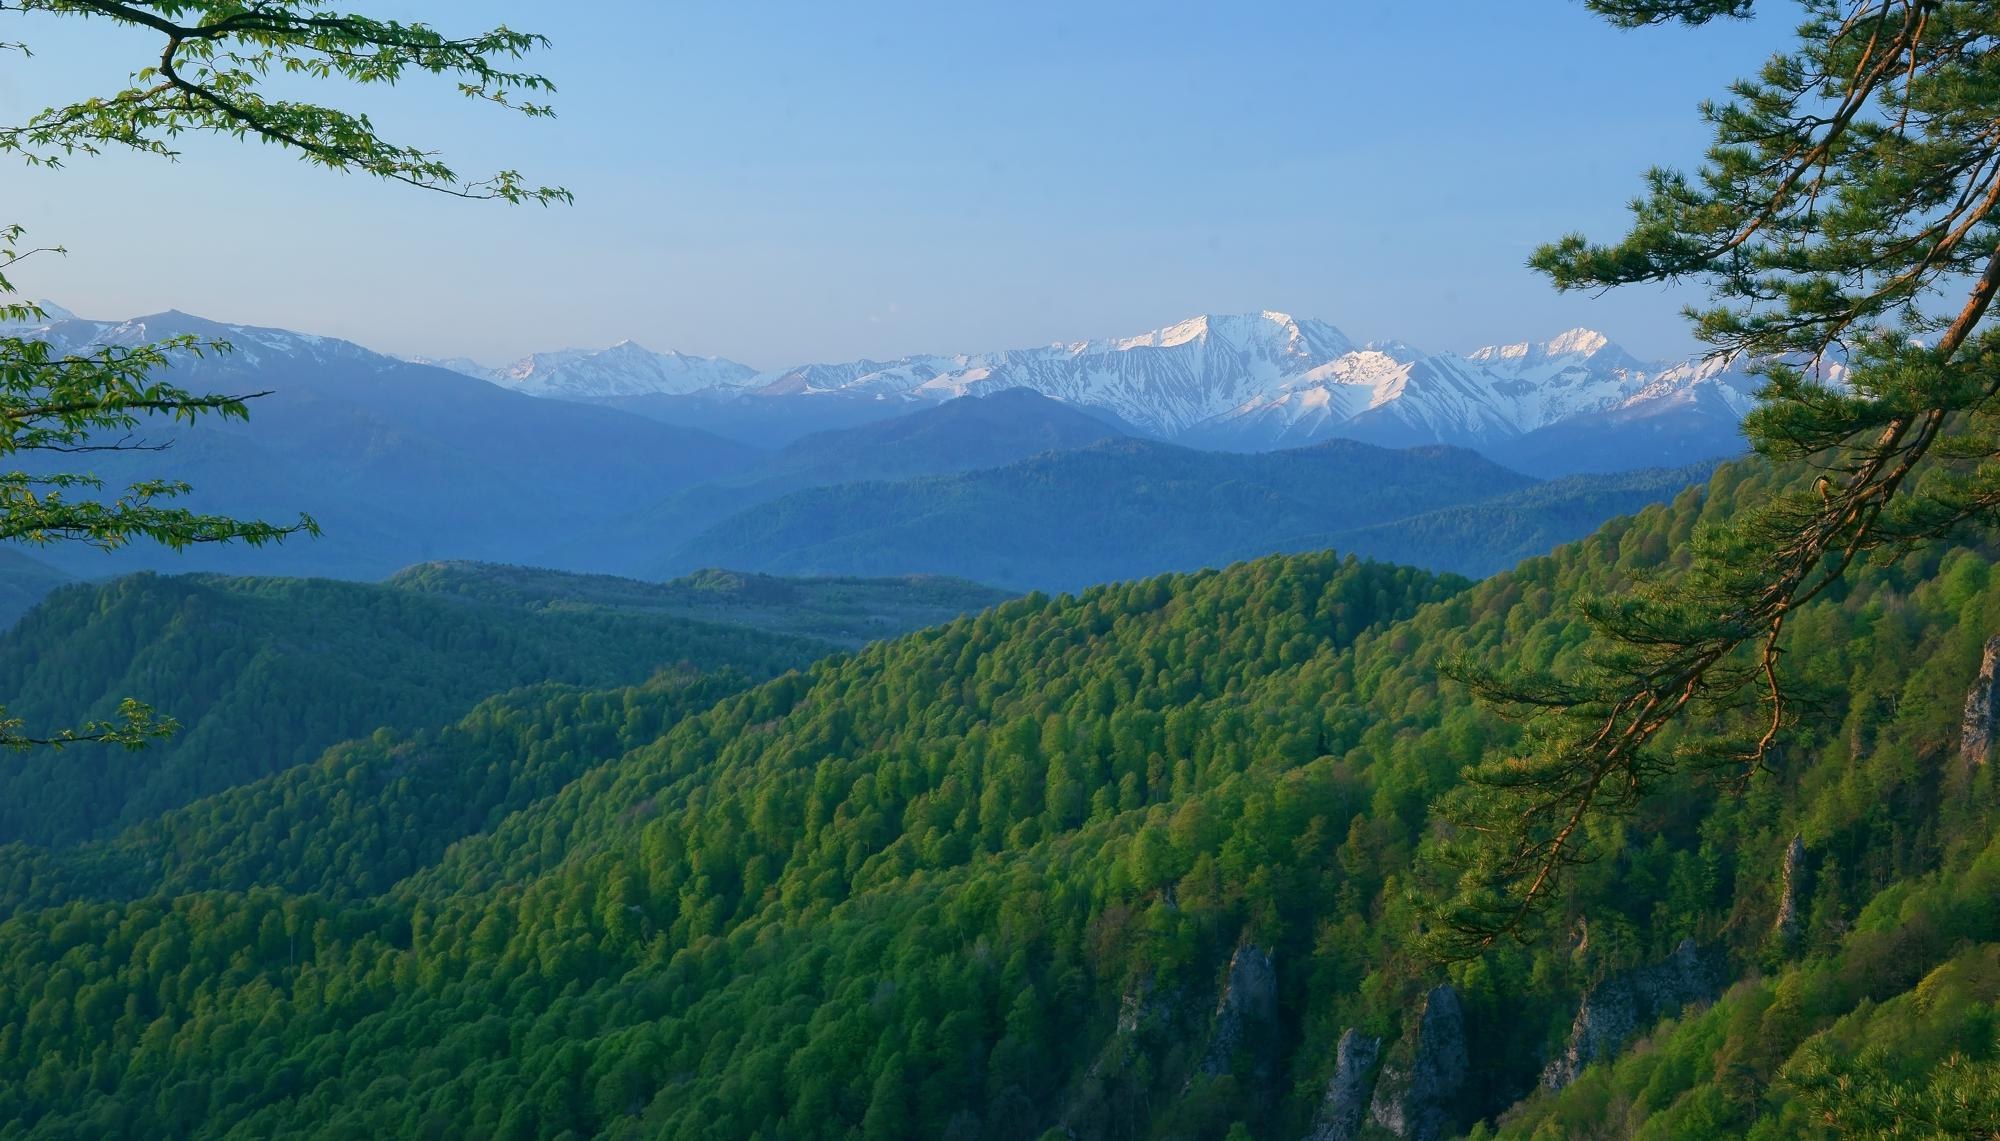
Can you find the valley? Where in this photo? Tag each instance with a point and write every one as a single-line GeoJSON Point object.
{"type": "Point", "coordinates": [1048, 695]}
{"type": "Point", "coordinates": [1083, 811]}
{"type": "Point", "coordinates": [1010, 481]}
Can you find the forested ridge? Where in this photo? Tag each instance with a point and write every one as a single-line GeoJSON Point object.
{"type": "Point", "coordinates": [1021, 873]}
{"type": "Point", "coordinates": [1118, 508]}
{"type": "Point", "coordinates": [265, 673]}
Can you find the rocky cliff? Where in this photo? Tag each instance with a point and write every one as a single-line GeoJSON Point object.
{"type": "Point", "coordinates": [1423, 1078]}
{"type": "Point", "coordinates": [1245, 1012]}
{"type": "Point", "coordinates": [1345, 1103]}
{"type": "Point", "coordinates": [1791, 889]}
{"type": "Point", "coordinates": [1613, 1010]}
{"type": "Point", "coordinates": [1982, 708]}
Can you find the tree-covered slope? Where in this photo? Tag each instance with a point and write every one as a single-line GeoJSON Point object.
{"type": "Point", "coordinates": [263, 674]}
{"type": "Point", "coordinates": [844, 611]}
{"type": "Point", "coordinates": [956, 436]}
{"type": "Point", "coordinates": [1116, 510]}
{"type": "Point", "coordinates": [1132, 864]}
{"type": "Point", "coordinates": [1492, 535]}
{"type": "Point", "coordinates": [369, 812]}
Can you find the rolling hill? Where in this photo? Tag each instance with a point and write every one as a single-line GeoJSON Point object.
{"type": "Point", "coordinates": [1137, 863]}
{"type": "Point", "coordinates": [1129, 508]}
{"type": "Point", "coordinates": [265, 673]}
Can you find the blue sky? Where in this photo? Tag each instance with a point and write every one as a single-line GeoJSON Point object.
{"type": "Point", "coordinates": [784, 181]}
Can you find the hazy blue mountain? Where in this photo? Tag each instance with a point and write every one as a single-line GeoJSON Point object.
{"type": "Point", "coordinates": [841, 611]}
{"type": "Point", "coordinates": [1484, 538]}
{"type": "Point", "coordinates": [399, 462]}
{"type": "Point", "coordinates": [1682, 428]}
{"type": "Point", "coordinates": [1252, 382]}
{"type": "Point", "coordinates": [1117, 509]}
{"type": "Point", "coordinates": [761, 421]}
{"type": "Point", "coordinates": [24, 581]}
{"type": "Point", "coordinates": [957, 436]}
{"type": "Point", "coordinates": [403, 462]}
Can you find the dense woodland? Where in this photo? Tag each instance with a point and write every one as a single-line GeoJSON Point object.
{"type": "Point", "coordinates": [264, 674]}
{"type": "Point", "coordinates": [989, 879]}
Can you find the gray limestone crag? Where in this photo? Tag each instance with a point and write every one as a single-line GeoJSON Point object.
{"type": "Point", "coordinates": [1246, 1013]}
{"type": "Point", "coordinates": [1141, 1012]}
{"type": "Point", "coordinates": [1791, 888]}
{"type": "Point", "coordinates": [1422, 1082]}
{"type": "Point", "coordinates": [1139, 1007]}
{"type": "Point", "coordinates": [1345, 1103]}
{"type": "Point", "coordinates": [1613, 1010]}
{"type": "Point", "coordinates": [1982, 709]}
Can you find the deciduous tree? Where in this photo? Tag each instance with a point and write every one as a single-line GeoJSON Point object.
{"type": "Point", "coordinates": [212, 76]}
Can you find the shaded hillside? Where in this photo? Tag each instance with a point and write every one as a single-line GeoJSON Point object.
{"type": "Point", "coordinates": [1688, 428]}
{"type": "Point", "coordinates": [398, 462]}
{"type": "Point", "coordinates": [957, 436]}
{"type": "Point", "coordinates": [263, 674]}
{"type": "Point", "coordinates": [842, 611]}
{"type": "Point", "coordinates": [1493, 535]}
{"type": "Point", "coordinates": [1136, 864]}
{"type": "Point", "coordinates": [24, 581]}
{"type": "Point", "coordinates": [1115, 510]}
{"type": "Point", "coordinates": [756, 421]}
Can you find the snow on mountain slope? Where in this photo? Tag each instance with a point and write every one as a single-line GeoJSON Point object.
{"type": "Point", "coordinates": [250, 346]}
{"type": "Point", "coordinates": [1393, 394]}
{"type": "Point", "coordinates": [464, 366]}
{"type": "Point", "coordinates": [1165, 382]}
{"type": "Point", "coordinates": [1247, 382]}
{"type": "Point", "coordinates": [51, 313]}
{"type": "Point", "coordinates": [625, 369]}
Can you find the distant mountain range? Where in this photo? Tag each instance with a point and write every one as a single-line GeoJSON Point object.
{"type": "Point", "coordinates": [1128, 508]}
{"type": "Point", "coordinates": [1246, 383]}
{"type": "Point", "coordinates": [625, 369]}
{"type": "Point", "coordinates": [399, 462]}
{"type": "Point", "coordinates": [1194, 445]}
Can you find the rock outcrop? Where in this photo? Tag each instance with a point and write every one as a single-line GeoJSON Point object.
{"type": "Point", "coordinates": [1138, 1006]}
{"type": "Point", "coordinates": [1422, 1082]}
{"type": "Point", "coordinates": [1246, 1012]}
{"type": "Point", "coordinates": [1982, 710]}
{"type": "Point", "coordinates": [1791, 889]}
{"type": "Point", "coordinates": [1141, 1013]}
{"type": "Point", "coordinates": [1345, 1103]}
{"type": "Point", "coordinates": [1613, 1010]}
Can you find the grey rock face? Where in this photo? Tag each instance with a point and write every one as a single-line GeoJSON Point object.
{"type": "Point", "coordinates": [1423, 1079]}
{"type": "Point", "coordinates": [1982, 709]}
{"type": "Point", "coordinates": [1141, 1011]}
{"type": "Point", "coordinates": [1246, 1010]}
{"type": "Point", "coordinates": [1614, 1009]}
{"type": "Point", "coordinates": [1345, 1102]}
{"type": "Point", "coordinates": [1793, 885]}
{"type": "Point", "coordinates": [1137, 1005]}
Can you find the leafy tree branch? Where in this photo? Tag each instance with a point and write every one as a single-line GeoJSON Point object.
{"type": "Point", "coordinates": [215, 60]}
{"type": "Point", "coordinates": [1845, 223]}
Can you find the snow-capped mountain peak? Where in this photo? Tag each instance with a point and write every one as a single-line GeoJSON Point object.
{"type": "Point", "coordinates": [1576, 344]}
{"type": "Point", "coordinates": [1401, 351]}
{"type": "Point", "coordinates": [1250, 380]}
